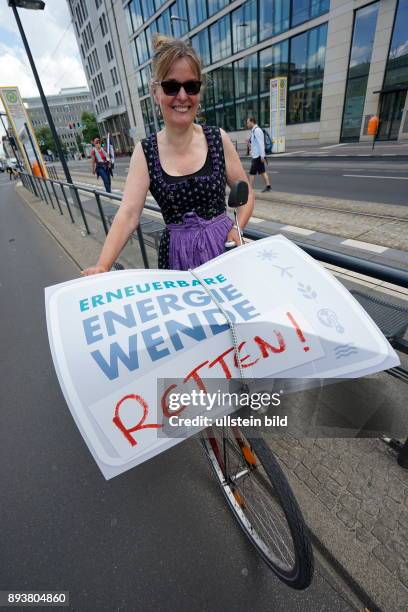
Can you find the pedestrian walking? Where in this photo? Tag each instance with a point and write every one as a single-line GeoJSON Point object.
{"type": "Point", "coordinates": [257, 147]}
{"type": "Point", "coordinates": [186, 167]}
{"type": "Point", "coordinates": [101, 164]}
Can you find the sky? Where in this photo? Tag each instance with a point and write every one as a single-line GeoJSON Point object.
{"type": "Point", "coordinates": [51, 37]}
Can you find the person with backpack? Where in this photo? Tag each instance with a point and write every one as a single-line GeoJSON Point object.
{"type": "Point", "coordinates": [257, 146]}
{"type": "Point", "coordinates": [101, 164]}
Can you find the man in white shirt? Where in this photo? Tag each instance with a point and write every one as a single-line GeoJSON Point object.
{"type": "Point", "coordinates": [257, 144]}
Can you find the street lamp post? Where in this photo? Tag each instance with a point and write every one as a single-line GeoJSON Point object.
{"type": "Point", "coordinates": [40, 5]}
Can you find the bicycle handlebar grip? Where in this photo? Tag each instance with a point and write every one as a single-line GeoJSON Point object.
{"type": "Point", "coordinates": [230, 244]}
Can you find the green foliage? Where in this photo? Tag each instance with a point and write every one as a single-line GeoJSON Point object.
{"type": "Point", "coordinates": [46, 141]}
{"type": "Point", "coordinates": [79, 142]}
{"type": "Point", "coordinates": [89, 126]}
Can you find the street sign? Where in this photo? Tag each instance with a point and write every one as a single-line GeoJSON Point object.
{"type": "Point", "coordinates": [278, 94]}
{"type": "Point", "coordinates": [18, 119]}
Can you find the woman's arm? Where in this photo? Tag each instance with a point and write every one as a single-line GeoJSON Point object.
{"type": "Point", "coordinates": [127, 218]}
{"type": "Point", "coordinates": [236, 172]}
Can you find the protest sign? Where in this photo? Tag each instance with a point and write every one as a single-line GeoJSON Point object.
{"type": "Point", "coordinates": [113, 335]}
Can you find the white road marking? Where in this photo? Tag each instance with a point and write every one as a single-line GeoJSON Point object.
{"type": "Point", "coordinates": [297, 230]}
{"type": "Point", "coordinates": [397, 178]}
{"type": "Point", "coordinates": [256, 220]}
{"type": "Point", "coordinates": [341, 144]}
{"type": "Point", "coordinates": [286, 154]}
{"type": "Point", "coordinates": [374, 248]}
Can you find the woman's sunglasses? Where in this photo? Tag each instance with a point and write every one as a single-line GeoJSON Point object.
{"type": "Point", "coordinates": [171, 88]}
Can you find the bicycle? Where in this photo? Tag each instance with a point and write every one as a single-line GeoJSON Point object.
{"type": "Point", "coordinates": [254, 484]}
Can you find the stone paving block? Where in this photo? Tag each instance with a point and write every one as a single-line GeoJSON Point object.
{"type": "Point", "coordinates": [313, 484]}
{"type": "Point", "coordinates": [301, 472]}
{"type": "Point", "coordinates": [356, 487]}
{"type": "Point", "coordinates": [372, 505]}
{"type": "Point", "coordinates": [350, 503]}
{"type": "Point", "coordinates": [346, 518]}
{"type": "Point", "coordinates": [333, 487]}
{"type": "Point", "coordinates": [382, 533]}
{"type": "Point", "coordinates": [366, 538]}
{"type": "Point", "coordinates": [403, 518]}
{"type": "Point", "coordinates": [327, 498]}
{"type": "Point", "coordinates": [396, 490]}
{"type": "Point", "coordinates": [340, 477]}
{"type": "Point", "coordinates": [330, 462]}
{"type": "Point", "coordinates": [366, 519]}
{"type": "Point", "coordinates": [309, 460]}
{"type": "Point", "coordinates": [403, 574]}
{"type": "Point", "coordinates": [399, 547]}
{"type": "Point", "coordinates": [321, 473]}
{"type": "Point", "coordinates": [386, 557]}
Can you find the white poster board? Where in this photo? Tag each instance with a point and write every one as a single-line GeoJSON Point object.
{"type": "Point", "coordinates": [278, 94]}
{"type": "Point", "coordinates": [113, 335]}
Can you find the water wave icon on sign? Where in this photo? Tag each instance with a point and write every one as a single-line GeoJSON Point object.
{"type": "Point", "coordinates": [344, 350]}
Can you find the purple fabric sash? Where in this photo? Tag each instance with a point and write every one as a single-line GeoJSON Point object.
{"type": "Point", "coordinates": [197, 240]}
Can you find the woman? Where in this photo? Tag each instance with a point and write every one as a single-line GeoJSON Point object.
{"type": "Point", "coordinates": [185, 166]}
{"type": "Point", "coordinates": [101, 164]}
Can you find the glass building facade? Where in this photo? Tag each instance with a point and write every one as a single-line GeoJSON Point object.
{"type": "Point", "coordinates": [242, 47]}
{"type": "Point", "coordinates": [239, 88]}
{"type": "Point", "coordinates": [365, 21]}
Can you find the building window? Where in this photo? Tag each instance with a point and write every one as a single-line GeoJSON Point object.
{"type": "Point", "coordinates": [164, 23]}
{"type": "Point", "coordinates": [109, 52]}
{"type": "Point", "coordinates": [303, 10]}
{"type": "Point", "coordinates": [148, 8]}
{"type": "Point", "coordinates": [306, 69]}
{"type": "Point", "coordinates": [135, 19]}
{"type": "Point", "coordinates": [180, 26]}
{"type": "Point", "coordinates": [133, 50]}
{"type": "Point", "coordinates": [397, 65]}
{"type": "Point", "coordinates": [150, 30]}
{"type": "Point", "coordinates": [244, 26]}
{"type": "Point", "coordinates": [103, 24]}
{"type": "Point", "coordinates": [201, 44]}
{"type": "Point", "coordinates": [141, 46]}
{"type": "Point", "coordinates": [197, 10]}
{"type": "Point", "coordinates": [142, 82]}
{"type": "Point", "coordinates": [220, 37]}
{"type": "Point", "coordinates": [216, 5]}
{"type": "Point", "coordinates": [147, 112]}
{"type": "Point", "coordinates": [365, 22]}
{"type": "Point", "coordinates": [273, 17]}
{"type": "Point", "coordinates": [273, 62]}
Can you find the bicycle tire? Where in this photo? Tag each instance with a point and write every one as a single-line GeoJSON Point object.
{"type": "Point", "coordinates": [300, 574]}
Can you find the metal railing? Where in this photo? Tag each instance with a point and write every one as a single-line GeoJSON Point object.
{"type": "Point", "coordinates": [42, 187]}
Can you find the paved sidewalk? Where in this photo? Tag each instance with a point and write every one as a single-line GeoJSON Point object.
{"type": "Point", "coordinates": [354, 497]}
{"type": "Point", "coordinates": [352, 492]}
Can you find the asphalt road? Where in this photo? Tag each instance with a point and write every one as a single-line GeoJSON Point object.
{"type": "Point", "coordinates": [356, 179]}
{"type": "Point", "coordinates": [158, 537]}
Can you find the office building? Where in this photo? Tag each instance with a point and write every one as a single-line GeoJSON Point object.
{"type": "Point", "coordinates": [66, 109]}
{"type": "Point", "coordinates": [345, 61]}
{"type": "Point", "coordinates": [99, 41]}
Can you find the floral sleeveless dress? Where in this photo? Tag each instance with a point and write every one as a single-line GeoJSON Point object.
{"type": "Point", "coordinates": [203, 195]}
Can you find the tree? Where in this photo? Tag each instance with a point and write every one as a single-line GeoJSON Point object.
{"type": "Point", "coordinates": [89, 126]}
{"type": "Point", "coordinates": [46, 141]}
{"type": "Point", "coordinates": [79, 142]}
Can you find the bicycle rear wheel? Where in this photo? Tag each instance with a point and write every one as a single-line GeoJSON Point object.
{"type": "Point", "coordinates": [262, 502]}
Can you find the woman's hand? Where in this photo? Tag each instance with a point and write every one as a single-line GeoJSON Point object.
{"type": "Point", "coordinates": [94, 270]}
{"type": "Point", "coordinates": [233, 234]}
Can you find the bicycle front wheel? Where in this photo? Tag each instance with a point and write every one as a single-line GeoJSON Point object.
{"type": "Point", "coordinates": [262, 502]}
